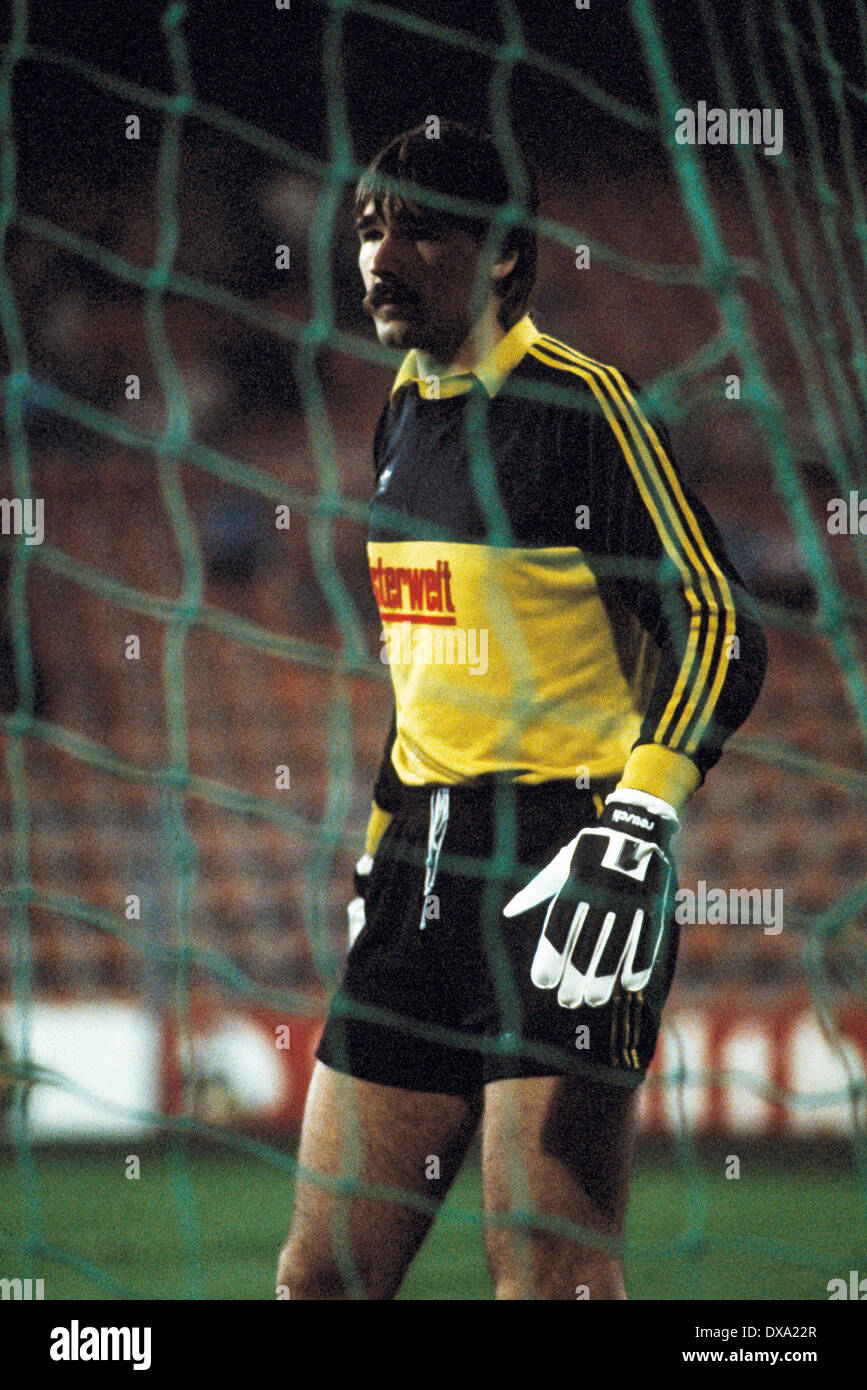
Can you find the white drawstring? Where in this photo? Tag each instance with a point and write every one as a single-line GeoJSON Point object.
{"type": "Point", "coordinates": [439, 819]}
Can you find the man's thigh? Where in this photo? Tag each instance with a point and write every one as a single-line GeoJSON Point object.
{"type": "Point", "coordinates": [556, 1150]}
{"type": "Point", "coordinates": [359, 1243]}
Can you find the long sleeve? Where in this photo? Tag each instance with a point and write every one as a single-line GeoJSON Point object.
{"type": "Point", "coordinates": [668, 566]}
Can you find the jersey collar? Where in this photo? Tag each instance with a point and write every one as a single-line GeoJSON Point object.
{"type": "Point", "coordinates": [491, 372]}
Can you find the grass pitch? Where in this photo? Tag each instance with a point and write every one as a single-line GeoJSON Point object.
{"type": "Point", "coordinates": [209, 1225]}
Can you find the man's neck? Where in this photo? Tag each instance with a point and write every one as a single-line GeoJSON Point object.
{"type": "Point", "coordinates": [481, 340]}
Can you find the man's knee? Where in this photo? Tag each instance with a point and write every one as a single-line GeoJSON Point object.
{"type": "Point", "coordinates": [307, 1274]}
{"type": "Point", "coordinates": [534, 1265]}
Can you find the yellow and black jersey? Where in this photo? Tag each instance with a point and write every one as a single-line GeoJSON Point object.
{"type": "Point", "coordinates": [554, 601]}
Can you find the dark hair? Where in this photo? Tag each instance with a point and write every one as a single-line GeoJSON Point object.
{"type": "Point", "coordinates": [460, 163]}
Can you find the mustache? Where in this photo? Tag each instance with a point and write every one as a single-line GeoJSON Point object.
{"type": "Point", "coordinates": [388, 293]}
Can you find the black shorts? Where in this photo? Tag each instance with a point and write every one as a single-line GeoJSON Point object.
{"type": "Point", "coordinates": [437, 994]}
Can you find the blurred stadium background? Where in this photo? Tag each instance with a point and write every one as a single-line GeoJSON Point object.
{"type": "Point", "coordinates": [153, 1029]}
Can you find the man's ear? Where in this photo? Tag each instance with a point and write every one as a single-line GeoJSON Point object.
{"type": "Point", "coordinates": [500, 269]}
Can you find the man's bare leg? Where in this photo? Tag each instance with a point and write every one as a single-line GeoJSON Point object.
{"type": "Point", "coordinates": [560, 1148]}
{"type": "Point", "coordinates": [350, 1245]}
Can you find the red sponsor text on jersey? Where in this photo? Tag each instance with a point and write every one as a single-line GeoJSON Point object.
{"type": "Point", "coordinates": [414, 595]}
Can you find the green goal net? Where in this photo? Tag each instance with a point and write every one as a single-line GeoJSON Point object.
{"type": "Point", "coordinates": [194, 705]}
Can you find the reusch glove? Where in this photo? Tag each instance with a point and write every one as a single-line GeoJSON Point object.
{"type": "Point", "coordinates": [610, 891]}
{"type": "Point", "coordinates": [355, 910]}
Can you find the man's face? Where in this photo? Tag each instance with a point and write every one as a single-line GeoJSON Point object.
{"type": "Point", "coordinates": [422, 280]}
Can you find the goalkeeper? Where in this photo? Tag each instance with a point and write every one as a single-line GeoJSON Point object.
{"type": "Point", "coordinates": [569, 648]}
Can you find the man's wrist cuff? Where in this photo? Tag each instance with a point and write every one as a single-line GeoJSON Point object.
{"type": "Point", "coordinates": [672, 777]}
{"type": "Point", "coordinates": [376, 828]}
{"type": "Point", "coordinates": [630, 796]}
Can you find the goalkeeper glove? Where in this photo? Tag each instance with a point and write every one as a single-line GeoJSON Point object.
{"type": "Point", "coordinates": [355, 910]}
{"type": "Point", "coordinates": [609, 889]}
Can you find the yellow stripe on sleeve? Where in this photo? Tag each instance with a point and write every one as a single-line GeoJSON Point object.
{"type": "Point", "coordinates": [679, 533]}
